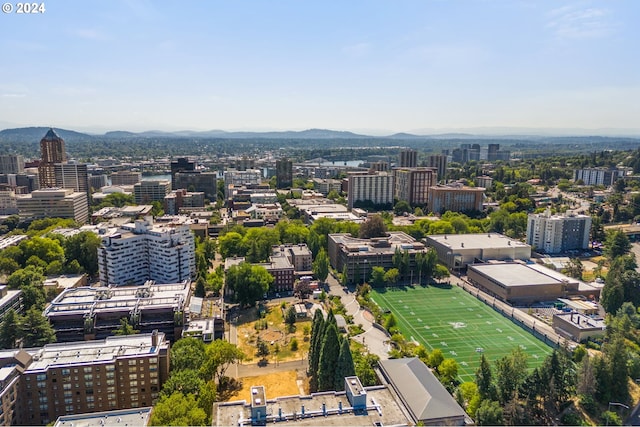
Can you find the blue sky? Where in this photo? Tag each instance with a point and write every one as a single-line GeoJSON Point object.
{"type": "Point", "coordinates": [367, 66]}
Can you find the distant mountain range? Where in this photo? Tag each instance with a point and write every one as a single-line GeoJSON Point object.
{"type": "Point", "coordinates": [36, 133]}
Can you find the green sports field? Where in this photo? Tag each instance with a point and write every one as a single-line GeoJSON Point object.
{"type": "Point", "coordinates": [459, 324]}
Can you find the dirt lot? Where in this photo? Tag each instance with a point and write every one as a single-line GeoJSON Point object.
{"type": "Point", "coordinates": [288, 383]}
{"type": "Point", "coordinates": [277, 334]}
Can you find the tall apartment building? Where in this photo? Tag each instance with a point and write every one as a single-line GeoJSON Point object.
{"type": "Point", "coordinates": [204, 182]}
{"type": "Point", "coordinates": [183, 164]}
{"type": "Point", "coordinates": [125, 178]}
{"type": "Point", "coordinates": [439, 162]}
{"type": "Point", "coordinates": [374, 188]}
{"type": "Point", "coordinates": [408, 159]}
{"type": "Point", "coordinates": [54, 203]}
{"type": "Point", "coordinates": [120, 372]}
{"type": "Point", "coordinates": [598, 176]}
{"type": "Point", "coordinates": [11, 164]}
{"type": "Point", "coordinates": [72, 175]}
{"type": "Point", "coordinates": [284, 173]}
{"type": "Point", "coordinates": [151, 191]}
{"type": "Point", "coordinates": [143, 251]}
{"type": "Point", "coordinates": [379, 166]}
{"type": "Point", "coordinates": [412, 184]}
{"type": "Point", "coordinates": [52, 152]}
{"type": "Point", "coordinates": [558, 233]}
{"type": "Point", "coordinates": [455, 198]}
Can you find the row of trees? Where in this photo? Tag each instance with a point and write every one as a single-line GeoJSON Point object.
{"type": "Point", "coordinates": [30, 330]}
{"type": "Point", "coordinates": [197, 378]}
{"type": "Point", "coordinates": [330, 359]}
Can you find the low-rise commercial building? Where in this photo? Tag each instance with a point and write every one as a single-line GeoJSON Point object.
{"type": "Point", "coordinates": [357, 257]}
{"type": "Point", "coordinates": [54, 203]}
{"type": "Point", "coordinates": [456, 251]}
{"type": "Point", "coordinates": [579, 327]}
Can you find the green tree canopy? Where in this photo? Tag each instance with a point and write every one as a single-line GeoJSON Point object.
{"type": "Point", "coordinates": [178, 410]}
{"type": "Point", "coordinates": [187, 353]}
{"type": "Point", "coordinates": [328, 358]}
{"type": "Point", "coordinates": [616, 244]}
{"type": "Point", "coordinates": [248, 282]}
{"type": "Point", "coordinates": [35, 330]}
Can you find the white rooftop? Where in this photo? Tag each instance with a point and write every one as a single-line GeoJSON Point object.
{"type": "Point", "coordinates": [121, 417]}
{"type": "Point", "coordinates": [81, 352]}
{"type": "Point", "coordinates": [476, 241]}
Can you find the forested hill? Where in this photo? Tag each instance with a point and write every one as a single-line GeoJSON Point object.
{"type": "Point", "coordinates": [333, 145]}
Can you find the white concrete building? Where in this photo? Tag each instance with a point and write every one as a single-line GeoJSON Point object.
{"type": "Point", "coordinates": [375, 188]}
{"type": "Point", "coordinates": [54, 203]}
{"type": "Point", "coordinates": [8, 204]}
{"type": "Point", "coordinates": [237, 178]}
{"type": "Point", "coordinates": [598, 176]}
{"type": "Point", "coordinates": [558, 233]}
{"type": "Point", "coordinates": [141, 251]}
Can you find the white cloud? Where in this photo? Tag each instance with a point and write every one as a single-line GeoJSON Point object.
{"type": "Point", "coordinates": [89, 34]}
{"type": "Point", "coordinates": [581, 23]}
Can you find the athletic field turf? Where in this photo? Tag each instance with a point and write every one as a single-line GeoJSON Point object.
{"type": "Point", "coordinates": [459, 324]}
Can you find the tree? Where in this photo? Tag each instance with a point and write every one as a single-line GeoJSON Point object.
{"type": "Point", "coordinates": [484, 380]}
{"type": "Point", "coordinates": [401, 207]}
{"type": "Point", "coordinates": [83, 247]}
{"type": "Point", "coordinates": [448, 371]}
{"type": "Point", "coordinates": [302, 289]}
{"type": "Point", "coordinates": [440, 272]}
{"type": "Point", "coordinates": [315, 347]}
{"type": "Point", "coordinates": [489, 413]}
{"type": "Point", "coordinates": [321, 265]}
{"type": "Point", "coordinates": [345, 367]}
{"type": "Point", "coordinates": [373, 227]}
{"type": "Point", "coordinates": [262, 348]}
{"type": "Point", "coordinates": [230, 245]}
{"type": "Point", "coordinates": [391, 276]}
{"type": "Point", "coordinates": [178, 410]}
{"type": "Point", "coordinates": [33, 296]}
{"type": "Point", "coordinates": [390, 322]}
{"type": "Point", "coordinates": [200, 290]}
{"type": "Point", "coordinates": [511, 371]}
{"type": "Point", "coordinates": [574, 268]}
{"type": "Point", "coordinates": [435, 358]}
{"type": "Point", "coordinates": [219, 355]}
{"type": "Point", "coordinates": [125, 328]}
{"type": "Point", "coordinates": [9, 330]}
{"type": "Point", "coordinates": [185, 381]}
{"type": "Point", "coordinates": [248, 282]}
{"type": "Point", "coordinates": [377, 276]}
{"type": "Point", "coordinates": [621, 284]}
{"type": "Point", "coordinates": [45, 248]}
{"type": "Point", "coordinates": [616, 244]}
{"type": "Point", "coordinates": [187, 353]}
{"type": "Point", "coordinates": [35, 330]}
{"type": "Point", "coordinates": [290, 317]}
{"type": "Point", "coordinates": [28, 276]}
{"type": "Point", "coordinates": [328, 358]}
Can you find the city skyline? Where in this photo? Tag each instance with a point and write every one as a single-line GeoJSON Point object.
{"type": "Point", "coordinates": [372, 67]}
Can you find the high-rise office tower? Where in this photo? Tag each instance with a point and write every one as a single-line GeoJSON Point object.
{"type": "Point", "coordinates": [284, 173]}
{"type": "Point", "coordinates": [52, 152]}
{"type": "Point", "coordinates": [408, 158]}
{"type": "Point", "coordinates": [11, 163]}
{"type": "Point", "coordinates": [181, 165]}
{"type": "Point", "coordinates": [439, 162]}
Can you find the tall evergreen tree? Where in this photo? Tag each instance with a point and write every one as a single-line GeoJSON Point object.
{"type": "Point", "coordinates": [345, 366]}
{"type": "Point", "coordinates": [9, 330]}
{"type": "Point", "coordinates": [484, 380]}
{"type": "Point", "coordinates": [328, 358]}
{"type": "Point", "coordinates": [35, 329]}
{"type": "Point", "coordinates": [331, 318]}
{"type": "Point", "coordinates": [315, 347]}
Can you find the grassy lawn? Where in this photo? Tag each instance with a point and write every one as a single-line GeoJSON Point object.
{"type": "Point", "coordinates": [276, 332]}
{"type": "Point", "coordinates": [459, 324]}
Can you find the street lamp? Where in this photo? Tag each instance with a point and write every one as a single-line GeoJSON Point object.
{"type": "Point", "coordinates": [609, 409]}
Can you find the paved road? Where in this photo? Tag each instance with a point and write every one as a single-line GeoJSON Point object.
{"type": "Point", "coordinates": [376, 341]}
